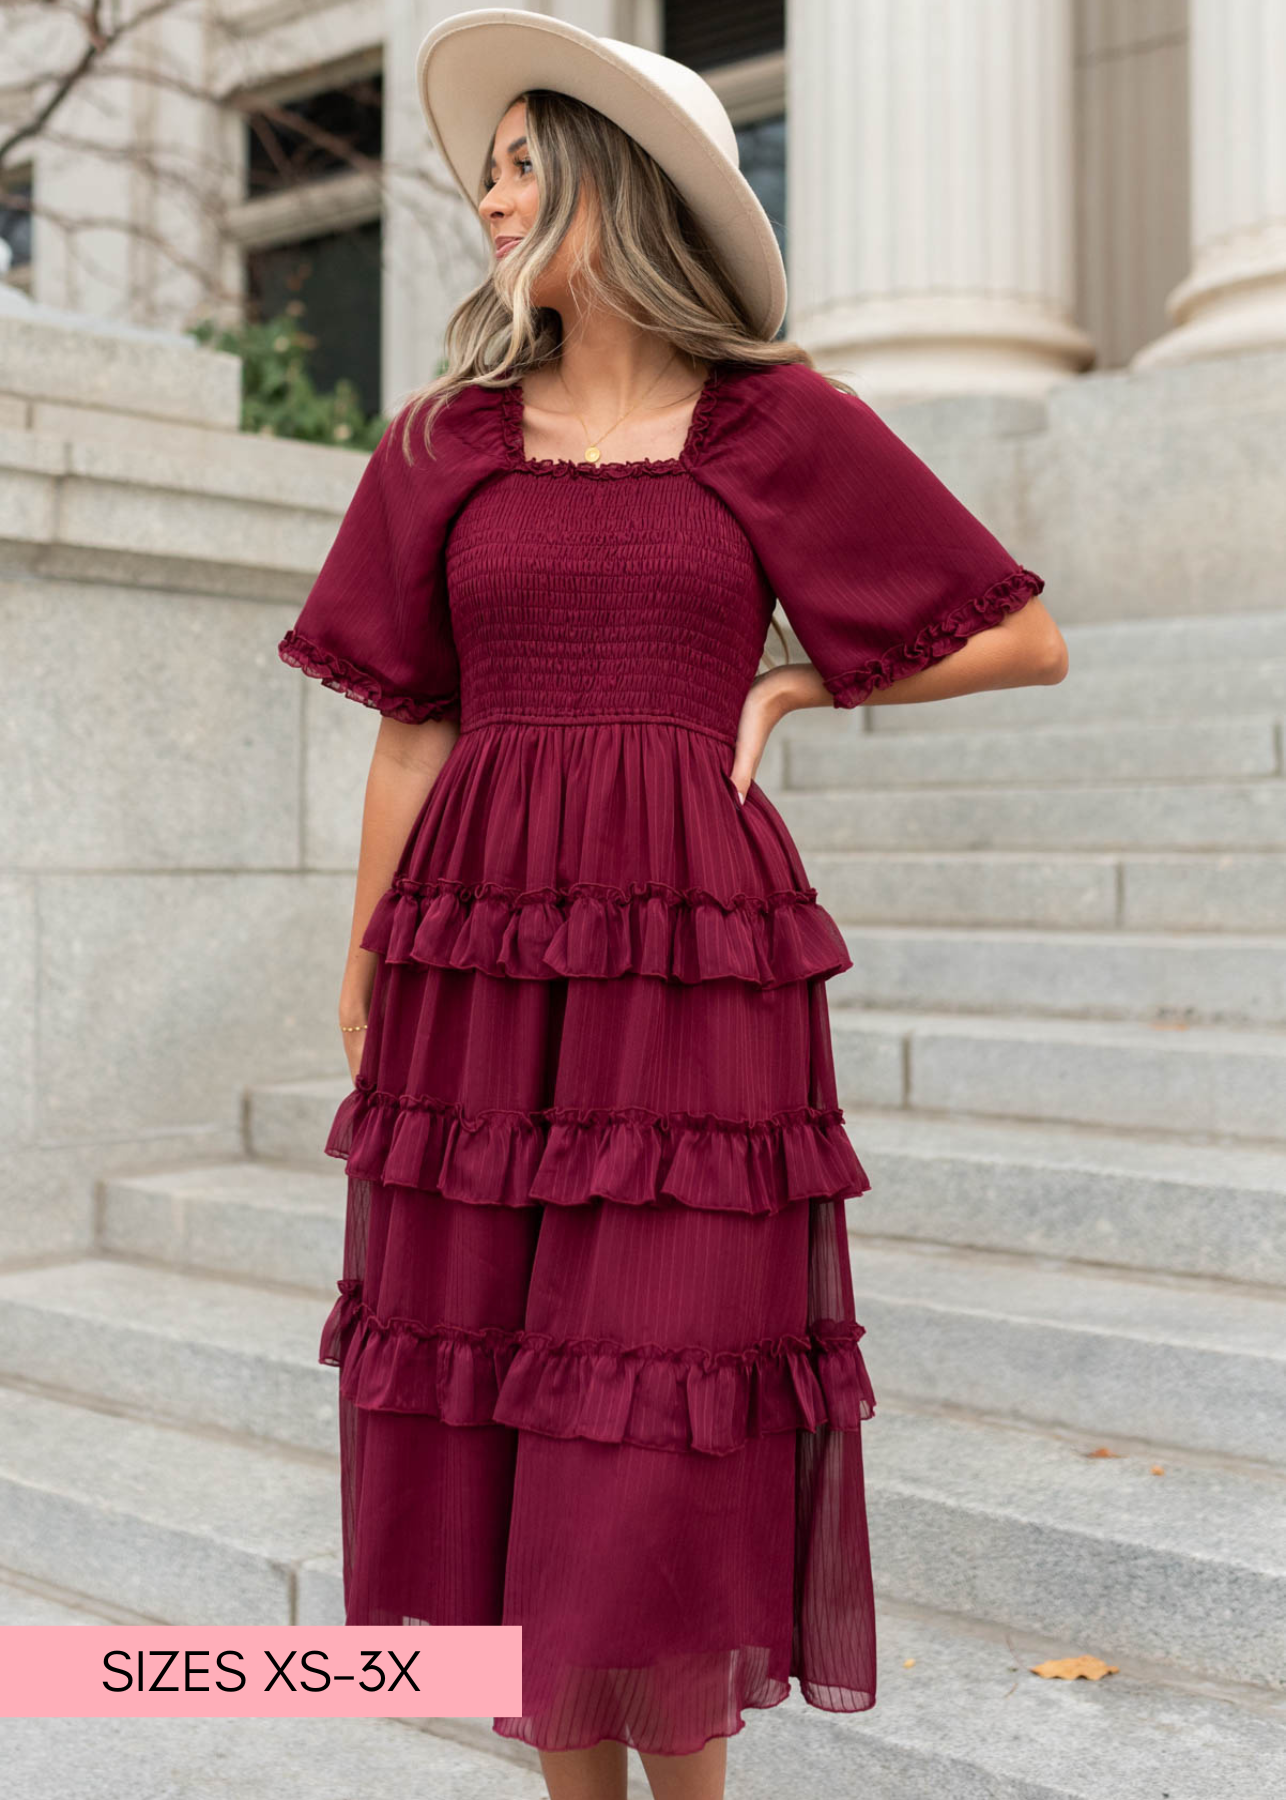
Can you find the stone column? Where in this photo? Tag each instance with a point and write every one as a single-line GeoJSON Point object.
{"type": "Point", "coordinates": [128, 178]}
{"type": "Point", "coordinates": [1234, 295]}
{"type": "Point", "coordinates": [930, 219]}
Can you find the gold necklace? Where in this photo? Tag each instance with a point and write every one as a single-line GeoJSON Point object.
{"type": "Point", "coordinates": [592, 452]}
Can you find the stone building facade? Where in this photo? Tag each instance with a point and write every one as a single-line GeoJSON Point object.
{"type": "Point", "coordinates": [978, 198]}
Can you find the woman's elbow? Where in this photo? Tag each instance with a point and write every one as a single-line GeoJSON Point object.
{"type": "Point", "coordinates": [1052, 666]}
{"type": "Point", "coordinates": [1036, 646]}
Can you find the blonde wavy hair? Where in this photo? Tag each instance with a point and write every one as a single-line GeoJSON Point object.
{"type": "Point", "coordinates": [657, 268]}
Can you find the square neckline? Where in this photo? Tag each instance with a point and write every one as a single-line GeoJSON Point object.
{"type": "Point", "coordinates": [512, 407]}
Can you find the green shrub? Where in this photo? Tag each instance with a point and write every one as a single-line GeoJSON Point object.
{"type": "Point", "coordinates": [278, 398]}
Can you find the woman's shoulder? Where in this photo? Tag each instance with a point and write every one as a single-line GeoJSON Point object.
{"type": "Point", "coordinates": [787, 397]}
{"type": "Point", "coordinates": [772, 384]}
{"type": "Point", "coordinates": [768, 416]}
{"type": "Point", "coordinates": [461, 434]}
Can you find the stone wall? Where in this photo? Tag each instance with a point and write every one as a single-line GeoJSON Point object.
{"type": "Point", "coordinates": [178, 810]}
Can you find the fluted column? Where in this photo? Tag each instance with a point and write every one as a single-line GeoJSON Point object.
{"type": "Point", "coordinates": [930, 194]}
{"type": "Point", "coordinates": [1234, 295]}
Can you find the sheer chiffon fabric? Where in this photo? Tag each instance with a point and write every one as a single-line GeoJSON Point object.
{"type": "Point", "coordinates": [599, 1369]}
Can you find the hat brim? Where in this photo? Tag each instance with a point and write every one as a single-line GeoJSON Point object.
{"type": "Point", "coordinates": [472, 66]}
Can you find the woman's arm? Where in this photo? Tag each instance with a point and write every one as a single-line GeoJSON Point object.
{"type": "Point", "coordinates": [404, 766]}
{"type": "Point", "coordinates": [1025, 649]}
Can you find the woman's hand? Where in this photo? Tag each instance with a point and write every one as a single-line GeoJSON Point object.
{"type": "Point", "coordinates": [355, 1005]}
{"type": "Point", "coordinates": [769, 698]}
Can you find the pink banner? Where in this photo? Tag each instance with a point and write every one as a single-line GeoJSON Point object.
{"type": "Point", "coordinates": [260, 1671]}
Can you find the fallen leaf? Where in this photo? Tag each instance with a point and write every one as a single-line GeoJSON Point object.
{"type": "Point", "coordinates": [908, 1662]}
{"type": "Point", "coordinates": [1101, 1451]}
{"type": "Point", "coordinates": [1158, 1469]}
{"type": "Point", "coordinates": [1067, 1668]}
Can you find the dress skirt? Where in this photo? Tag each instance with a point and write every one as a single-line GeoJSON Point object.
{"type": "Point", "coordinates": [599, 1366]}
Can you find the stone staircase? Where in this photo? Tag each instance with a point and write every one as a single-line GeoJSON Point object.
{"type": "Point", "coordinates": [1062, 1054]}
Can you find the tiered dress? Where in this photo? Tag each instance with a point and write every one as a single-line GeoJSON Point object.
{"type": "Point", "coordinates": [600, 1374]}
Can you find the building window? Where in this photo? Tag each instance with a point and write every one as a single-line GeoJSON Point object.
{"type": "Point", "coordinates": [336, 278]}
{"type": "Point", "coordinates": [310, 225]}
{"type": "Point", "coordinates": [15, 227]}
{"type": "Point", "coordinates": [761, 147]}
{"type": "Point", "coordinates": [707, 34]}
{"type": "Point", "coordinates": [327, 133]}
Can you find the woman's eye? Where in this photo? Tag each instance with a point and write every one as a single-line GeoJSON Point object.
{"type": "Point", "coordinates": [523, 162]}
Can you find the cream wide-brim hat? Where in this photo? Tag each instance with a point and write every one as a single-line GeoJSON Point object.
{"type": "Point", "coordinates": [473, 66]}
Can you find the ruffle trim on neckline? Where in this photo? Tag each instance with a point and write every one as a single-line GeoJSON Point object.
{"type": "Point", "coordinates": [591, 929]}
{"type": "Point", "coordinates": [646, 1395]}
{"type": "Point", "coordinates": [346, 678]}
{"type": "Point", "coordinates": [510, 403]}
{"type": "Point", "coordinates": [937, 639]}
{"type": "Point", "coordinates": [570, 1156]}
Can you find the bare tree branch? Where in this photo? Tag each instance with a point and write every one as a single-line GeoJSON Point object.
{"type": "Point", "coordinates": [187, 186]}
{"type": "Point", "coordinates": [98, 39]}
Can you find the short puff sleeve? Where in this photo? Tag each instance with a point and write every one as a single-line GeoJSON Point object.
{"type": "Point", "coordinates": [376, 624]}
{"type": "Point", "coordinates": [881, 570]}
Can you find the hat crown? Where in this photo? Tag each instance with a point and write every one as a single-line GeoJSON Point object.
{"type": "Point", "coordinates": [688, 90]}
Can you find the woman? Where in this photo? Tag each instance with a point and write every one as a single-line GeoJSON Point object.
{"type": "Point", "coordinates": [600, 1373]}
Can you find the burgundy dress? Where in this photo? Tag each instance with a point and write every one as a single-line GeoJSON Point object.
{"type": "Point", "coordinates": [599, 1366]}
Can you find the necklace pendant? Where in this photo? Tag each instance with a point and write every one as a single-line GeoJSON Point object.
{"type": "Point", "coordinates": [592, 453]}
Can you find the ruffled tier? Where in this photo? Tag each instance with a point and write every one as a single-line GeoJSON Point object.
{"type": "Point", "coordinates": [644, 1395]}
{"type": "Point", "coordinates": [939, 639]}
{"type": "Point", "coordinates": [612, 849]}
{"type": "Point", "coordinates": [599, 930]}
{"type": "Point", "coordinates": [564, 1156]}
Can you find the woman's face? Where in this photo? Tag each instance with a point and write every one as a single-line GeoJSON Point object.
{"type": "Point", "coordinates": [508, 208]}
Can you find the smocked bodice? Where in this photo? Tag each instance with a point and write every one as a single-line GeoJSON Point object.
{"type": "Point", "coordinates": [584, 592]}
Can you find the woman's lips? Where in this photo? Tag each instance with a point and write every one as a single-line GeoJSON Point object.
{"type": "Point", "coordinates": [505, 243]}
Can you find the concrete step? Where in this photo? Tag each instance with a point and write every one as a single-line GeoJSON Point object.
{"type": "Point", "coordinates": [165, 1532]}
{"type": "Point", "coordinates": [1136, 1200]}
{"type": "Point", "coordinates": [169, 1523]}
{"type": "Point", "coordinates": [1161, 891]}
{"type": "Point", "coordinates": [1193, 638]}
{"type": "Point", "coordinates": [1195, 976]}
{"type": "Point", "coordinates": [1167, 1077]}
{"type": "Point", "coordinates": [1027, 1528]}
{"type": "Point", "coordinates": [959, 1713]}
{"type": "Point", "coordinates": [1221, 688]}
{"type": "Point", "coordinates": [1133, 1200]}
{"type": "Point", "coordinates": [289, 1121]}
{"type": "Point", "coordinates": [183, 1347]}
{"type": "Point", "coordinates": [1180, 1360]}
{"type": "Point", "coordinates": [1130, 816]}
{"type": "Point", "coordinates": [265, 1221]}
{"type": "Point", "coordinates": [23, 1604]}
{"type": "Point", "coordinates": [246, 1759]}
{"type": "Point", "coordinates": [1162, 642]}
{"type": "Point", "coordinates": [1115, 751]}
{"type": "Point", "coordinates": [1193, 1080]}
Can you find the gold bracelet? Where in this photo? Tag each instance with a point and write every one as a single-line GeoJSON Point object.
{"type": "Point", "coordinates": [352, 1028]}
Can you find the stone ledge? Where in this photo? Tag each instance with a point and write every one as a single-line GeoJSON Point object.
{"type": "Point", "coordinates": [51, 355]}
